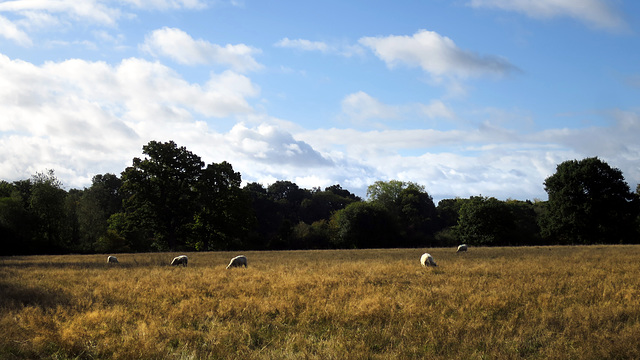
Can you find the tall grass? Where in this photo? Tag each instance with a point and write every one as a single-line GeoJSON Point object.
{"type": "Point", "coordinates": [489, 303]}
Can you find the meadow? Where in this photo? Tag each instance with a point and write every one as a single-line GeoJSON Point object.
{"type": "Point", "coordinates": [571, 302]}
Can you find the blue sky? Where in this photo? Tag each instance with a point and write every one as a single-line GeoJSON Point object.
{"type": "Point", "coordinates": [465, 97]}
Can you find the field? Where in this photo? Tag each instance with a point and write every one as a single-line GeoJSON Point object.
{"type": "Point", "coordinates": [489, 303]}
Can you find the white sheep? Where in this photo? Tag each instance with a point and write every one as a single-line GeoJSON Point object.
{"type": "Point", "coordinates": [112, 260]}
{"type": "Point", "coordinates": [427, 260]}
{"type": "Point", "coordinates": [238, 261]}
{"type": "Point", "coordinates": [180, 260]}
{"type": "Point", "coordinates": [462, 248]}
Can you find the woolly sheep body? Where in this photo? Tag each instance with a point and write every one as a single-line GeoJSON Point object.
{"type": "Point", "coordinates": [112, 260]}
{"type": "Point", "coordinates": [238, 261]}
{"type": "Point", "coordinates": [180, 260]}
{"type": "Point", "coordinates": [462, 248]}
{"type": "Point", "coordinates": [427, 260]}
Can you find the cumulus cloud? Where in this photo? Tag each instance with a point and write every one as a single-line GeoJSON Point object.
{"type": "Point", "coordinates": [181, 47]}
{"type": "Point", "coordinates": [488, 160]}
{"type": "Point", "coordinates": [436, 54]}
{"type": "Point", "coordinates": [270, 145]}
{"type": "Point", "coordinates": [596, 13]}
{"type": "Point", "coordinates": [86, 116]}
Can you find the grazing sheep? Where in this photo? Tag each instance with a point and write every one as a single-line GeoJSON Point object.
{"type": "Point", "coordinates": [427, 260]}
{"type": "Point", "coordinates": [462, 248]}
{"type": "Point", "coordinates": [112, 260]}
{"type": "Point", "coordinates": [180, 260]}
{"type": "Point", "coordinates": [238, 261]}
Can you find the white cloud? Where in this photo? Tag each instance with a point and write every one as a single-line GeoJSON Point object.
{"type": "Point", "coordinates": [85, 117]}
{"type": "Point", "coordinates": [269, 145]}
{"type": "Point", "coordinates": [86, 10]}
{"type": "Point", "coordinates": [597, 13]}
{"type": "Point", "coordinates": [361, 106]}
{"type": "Point", "coordinates": [167, 4]}
{"type": "Point", "coordinates": [10, 31]}
{"type": "Point", "coordinates": [437, 109]}
{"type": "Point", "coordinates": [347, 50]}
{"type": "Point", "coordinates": [179, 46]}
{"type": "Point", "coordinates": [436, 54]}
{"type": "Point", "coordinates": [302, 44]}
{"type": "Point", "coordinates": [31, 15]}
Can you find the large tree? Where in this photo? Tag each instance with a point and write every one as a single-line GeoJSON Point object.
{"type": "Point", "coordinates": [223, 217]}
{"type": "Point", "coordinates": [485, 221]}
{"type": "Point", "coordinates": [589, 202]}
{"type": "Point", "coordinates": [364, 225]}
{"type": "Point", "coordinates": [410, 206]}
{"type": "Point", "coordinates": [160, 192]}
{"type": "Point", "coordinates": [47, 203]}
{"type": "Point", "coordinates": [97, 203]}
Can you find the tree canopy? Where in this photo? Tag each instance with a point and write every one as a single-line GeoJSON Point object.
{"type": "Point", "coordinates": [169, 200]}
{"type": "Point", "coordinates": [589, 202]}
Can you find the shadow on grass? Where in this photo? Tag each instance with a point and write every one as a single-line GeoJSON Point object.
{"type": "Point", "coordinates": [80, 263]}
{"type": "Point", "coordinates": [15, 296]}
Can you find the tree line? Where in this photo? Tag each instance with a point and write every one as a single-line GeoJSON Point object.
{"type": "Point", "coordinates": [169, 200]}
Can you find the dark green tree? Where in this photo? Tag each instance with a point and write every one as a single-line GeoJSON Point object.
{"type": "Point", "coordinates": [72, 205]}
{"type": "Point", "coordinates": [322, 204]}
{"type": "Point", "coordinates": [485, 221]}
{"type": "Point", "coordinates": [17, 233]}
{"type": "Point", "coordinates": [418, 217]}
{"type": "Point", "coordinates": [589, 202]}
{"type": "Point", "coordinates": [267, 214]}
{"type": "Point", "coordinates": [223, 217]}
{"type": "Point", "coordinates": [47, 204]}
{"type": "Point", "coordinates": [410, 206]}
{"type": "Point", "coordinates": [364, 225]}
{"type": "Point", "coordinates": [387, 193]}
{"type": "Point", "coordinates": [160, 194]}
{"type": "Point", "coordinates": [101, 200]}
{"type": "Point", "coordinates": [525, 228]}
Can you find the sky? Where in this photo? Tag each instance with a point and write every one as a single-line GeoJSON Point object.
{"type": "Point", "coordinates": [464, 97]}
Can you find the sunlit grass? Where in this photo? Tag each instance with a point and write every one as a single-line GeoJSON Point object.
{"type": "Point", "coordinates": [489, 303]}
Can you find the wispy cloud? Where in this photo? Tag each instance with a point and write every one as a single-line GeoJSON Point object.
{"type": "Point", "coordinates": [90, 10]}
{"type": "Point", "coordinates": [303, 44]}
{"type": "Point", "coordinates": [25, 16]}
{"type": "Point", "coordinates": [436, 54]}
{"type": "Point", "coordinates": [596, 13]}
{"type": "Point", "coordinates": [361, 108]}
{"type": "Point", "coordinates": [181, 47]}
{"type": "Point", "coordinates": [347, 50]}
{"type": "Point", "coordinates": [10, 31]}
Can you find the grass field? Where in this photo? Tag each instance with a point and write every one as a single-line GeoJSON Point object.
{"type": "Point", "coordinates": [489, 303]}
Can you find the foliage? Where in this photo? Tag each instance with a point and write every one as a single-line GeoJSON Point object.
{"type": "Point", "coordinates": [159, 192]}
{"type": "Point", "coordinates": [485, 221]}
{"type": "Point", "coordinates": [168, 200]}
{"type": "Point", "coordinates": [589, 202]}
{"type": "Point", "coordinates": [223, 215]}
{"type": "Point", "coordinates": [362, 225]}
{"type": "Point", "coordinates": [96, 205]}
{"type": "Point", "coordinates": [410, 207]}
{"type": "Point", "coordinates": [489, 303]}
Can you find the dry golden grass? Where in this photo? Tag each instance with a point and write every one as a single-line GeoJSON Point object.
{"type": "Point", "coordinates": [489, 303]}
